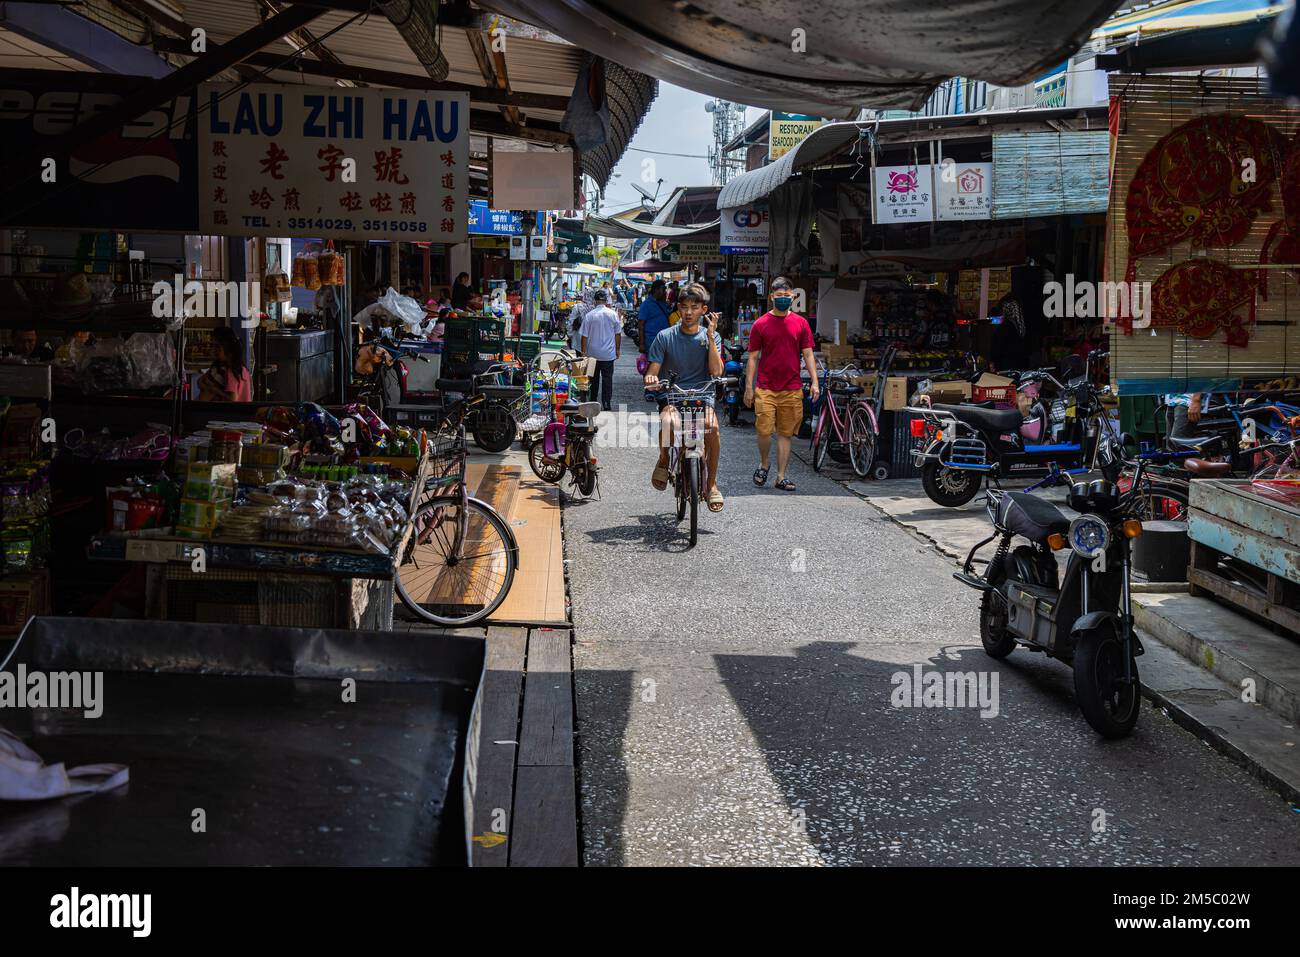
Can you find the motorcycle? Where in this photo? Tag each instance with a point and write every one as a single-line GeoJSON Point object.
{"type": "Point", "coordinates": [733, 393]}
{"type": "Point", "coordinates": [970, 442]}
{"type": "Point", "coordinates": [1085, 619]}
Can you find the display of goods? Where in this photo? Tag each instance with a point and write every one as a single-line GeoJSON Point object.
{"type": "Point", "coordinates": [299, 271]}
{"type": "Point", "coordinates": [310, 271]}
{"type": "Point", "coordinates": [1201, 296]}
{"type": "Point", "coordinates": [331, 266]}
{"type": "Point", "coordinates": [225, 446]}
{"type": "Point", "coordinates": [209, 481]}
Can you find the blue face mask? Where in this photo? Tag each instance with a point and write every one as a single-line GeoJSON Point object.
{"type": "Point", "coordinates": [783, 303]}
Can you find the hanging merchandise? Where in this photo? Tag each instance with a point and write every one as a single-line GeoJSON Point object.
{"type": "Point", "coordinates": [275, 284]}
{"type": "Point", "coordinates": [310, 271]}
{"type": "Point", "coordinates": [331, 266]}
{"type": "Point", "coordinates": [1201, 296]}
{"type": "Point", "coordinates": [1204, 182]}
{"type": "Point", "coordinates": [299, 271]}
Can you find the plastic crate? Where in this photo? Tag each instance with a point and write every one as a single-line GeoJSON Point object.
{"type": "Point", "coordinates": [1002, 396]}
{"type": "Point", "coordinates": [489, 336]}
{"type": "Point", "coordinates": [458, 333]}
{"type": "Point", "coordinates": [530, 347]}
{"type": "Point", "coordinates": [901, 444]}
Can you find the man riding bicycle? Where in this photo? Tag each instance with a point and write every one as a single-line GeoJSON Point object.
{"type": "Point", "coordinates": [692, 351]}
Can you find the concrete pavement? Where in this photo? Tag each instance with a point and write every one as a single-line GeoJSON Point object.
{"type": "Point", "coordinates": [734, 701]}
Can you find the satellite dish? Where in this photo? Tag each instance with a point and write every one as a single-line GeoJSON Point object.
{"type": "Point", "coordinates": [643, 191]}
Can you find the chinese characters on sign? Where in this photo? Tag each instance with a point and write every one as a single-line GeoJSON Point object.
{"type": "Point", "coordinates": [354, 164]}
{"type": "Point", "coordinates": [903, 194]}
{"type": "Point", "coordinates": [964, 191]}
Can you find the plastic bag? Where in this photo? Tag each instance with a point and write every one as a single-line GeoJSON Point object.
{"type": "Point", "coordinates": [299, 271]}
{"type": "Point", "coordinates": [310, 271]}
{"type": "Point", "coordinates": [153, 359]}
{"type": "Point", "coordinates": [403, 308]}
{"type": "Point", "coordinates": [331, 266]}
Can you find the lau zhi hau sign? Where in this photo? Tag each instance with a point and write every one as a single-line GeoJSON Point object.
{"type": "Point", "coordinates": [333, 163]}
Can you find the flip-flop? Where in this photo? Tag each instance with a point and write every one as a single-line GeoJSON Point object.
{"type": "Point", "coordinates": [659, 478]}
{"type": "Point", "coordinates": [715, 499]}
{"type": "Point", "coordinates": [784, 484]}
{"type": "Point", "coordinates": [760, 477]}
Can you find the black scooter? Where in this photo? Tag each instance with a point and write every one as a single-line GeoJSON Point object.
{"type": "Point", "coordinates": [1085, 620]}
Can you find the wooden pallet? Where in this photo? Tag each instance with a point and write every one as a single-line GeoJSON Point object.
{"type": "Point", "coordinates": [520, 753]}
{"type": "Point", "coordinates": [1256, 591]}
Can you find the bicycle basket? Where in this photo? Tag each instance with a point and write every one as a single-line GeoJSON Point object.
{"type": "Point", "coordinates": [446, 452]}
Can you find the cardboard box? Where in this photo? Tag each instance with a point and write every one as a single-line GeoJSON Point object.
{"type": "Point", "coordinates": [895, 393]}
{"type": "Point", "coordinates": [950, 393]}
{"type": "Point", "coordinates": [210, 481]}
{"type": "Point", "coordinates": [21, 597]}
{"type": "Point", "coordinates": [198, 514]}
{"type": "Point", "coordinates": [988, 380]}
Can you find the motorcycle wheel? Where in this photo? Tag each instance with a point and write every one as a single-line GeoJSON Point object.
{"type": "Point", "coordinates": [951, 488]}
{"type": "Point", "coordinates": [494, 428]}
{"type": "Point", "coordinates": [584, 473]}
{"type": "Point", "coordinates": [546, 471]}
{"type": "Point", "coordinates": [1110, 707]}
{"type": "Point", "coordinates": [997, 642]}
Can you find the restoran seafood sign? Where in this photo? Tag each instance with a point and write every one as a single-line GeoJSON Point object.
{"type": "Point", "coordinates": [333, 163]}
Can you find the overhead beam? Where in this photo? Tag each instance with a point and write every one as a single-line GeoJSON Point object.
{"type": "Point", "coordinates": [206, 66]}
{"type": "Point", "coordinates": [154, 17]}
{"type": "Point", "coordinates": [302, 39]}
{"type": "Point", "coordinates": [403, 81]}
{"type": "Point", "coordinates": [491, 73]}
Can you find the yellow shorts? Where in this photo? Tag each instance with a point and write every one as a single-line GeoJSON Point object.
{"type": "Point", "coordinates": [779, 411]}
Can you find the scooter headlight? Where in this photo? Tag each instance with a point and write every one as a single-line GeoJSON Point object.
{"type": "Point", "coordinates": [1088, 533]}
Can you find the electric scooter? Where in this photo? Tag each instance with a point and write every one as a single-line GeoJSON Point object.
{"type": "Point", "coordinates": [1084, 619]}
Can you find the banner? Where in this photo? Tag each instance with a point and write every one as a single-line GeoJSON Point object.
{"type": "Point", "coordinates": [142, 176]}
{"type": "Point", "coordinates": [785, 131]}
{"type": "Point", "coordinates": [750, 266]}
{"type": "Point", "coordinates": [964, 191]}
{"type": "Point", "coordinates": [744, 230]}
{"type": "Point", "coordinates": [334, 163]}
{"type": "Point", "coordinates": [903, 194]}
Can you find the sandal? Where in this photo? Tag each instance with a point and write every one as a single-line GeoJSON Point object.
{"type": "Point", "coordinates": [784, 484]}
{"type": "Point", "coordinates": [659, 478]}
{"type": "Point", "coordinates": [760, 477]}
{"type": "Point", "coordinates": [715, 500]}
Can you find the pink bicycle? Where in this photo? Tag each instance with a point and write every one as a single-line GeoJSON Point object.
{"type": "Point", "coordinates": [847, 419]}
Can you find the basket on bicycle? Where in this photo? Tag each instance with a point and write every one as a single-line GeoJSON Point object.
{"type": "Point", "coordinates": [446, 459]}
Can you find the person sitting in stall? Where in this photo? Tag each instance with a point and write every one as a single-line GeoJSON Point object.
{"type": "Point", "coordinates": [25, 345]}
{"type": "Point", "coordinates": [461, 292]}
{"type": "Point", "coordinates": [227, 379]}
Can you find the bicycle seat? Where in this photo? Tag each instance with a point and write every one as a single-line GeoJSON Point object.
{"type": "Point", "coordinates": [1204, 469]}
{"type": "Point", "coordinates": [463, 386]}
{"type": "Point", "coordinates": [998, 420]}
{"type": "Point", "coordinates": [1030, 516]}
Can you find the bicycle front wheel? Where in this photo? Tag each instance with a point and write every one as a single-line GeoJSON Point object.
{"type": "Point", "coordinates": [695, 467]}
{"type": "Point", "coordinates": [459, 564]}
{"type": "Point", "coordinates": [821, 441]}
{"type": "Point", "coordinates": [862, 442]}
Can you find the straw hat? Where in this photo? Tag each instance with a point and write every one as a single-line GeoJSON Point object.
{"type": "Point", "coordinates": [70, 297]}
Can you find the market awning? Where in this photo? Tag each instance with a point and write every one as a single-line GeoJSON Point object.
{"type": "Point", "coordinates": [823, 57]}
{"type": "Point", "coordinates": [650, 265]}
{"type": "Point", "coordinates": [815, 147]}
{"type": "Point", "coordinates": [610, 228]}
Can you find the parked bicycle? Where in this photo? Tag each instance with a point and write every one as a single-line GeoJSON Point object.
{"type": "Point", "coordinates": [846, 418]}
{"type": "Point", "coordinates": [687, 463]}
{"type": "Point", "coordinates": [460, 557]}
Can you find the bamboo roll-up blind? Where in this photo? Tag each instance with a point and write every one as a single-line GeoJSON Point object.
{"type": "Point", "coordinates": [1168, 361]}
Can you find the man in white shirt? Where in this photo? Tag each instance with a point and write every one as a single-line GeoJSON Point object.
{"type": "Point", "coordinates": [602, 339]}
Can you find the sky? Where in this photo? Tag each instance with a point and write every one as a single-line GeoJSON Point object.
{"type": "Point", "coordinates": [676, 123]}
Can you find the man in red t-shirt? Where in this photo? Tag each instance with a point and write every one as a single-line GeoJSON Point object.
{"type": "Point", "coordinates": [776, 343]}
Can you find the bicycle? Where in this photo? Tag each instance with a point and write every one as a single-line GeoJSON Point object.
{"type": "Point", "coordinates": [687, 467]}
{"type": "Point", "coordinates": [460, 556]}
{"type": "Point", "coordinates": [849, 417]}
{"type": "Point", "coordinates": [566, 439]}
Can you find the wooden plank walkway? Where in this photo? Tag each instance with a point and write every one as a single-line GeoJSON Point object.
{"type": "Point", "coordinates": [521, 761]}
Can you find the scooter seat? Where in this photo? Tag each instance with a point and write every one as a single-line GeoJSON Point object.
{"type": "Point", "coordinates": [1030, 516]}
{"type": "Point", "coordinates": [463, 386]}
{"type": "Point", "coordinates": [1204, 469]}
{"type": "Point", "coordinates": [996, 420]}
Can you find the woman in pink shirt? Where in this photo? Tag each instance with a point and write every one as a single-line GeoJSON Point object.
{"type": "Point", "coordinates": [227, 379]}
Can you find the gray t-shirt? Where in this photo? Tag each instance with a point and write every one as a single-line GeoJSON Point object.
{"type": "Point", "coordinates": [688, 356]}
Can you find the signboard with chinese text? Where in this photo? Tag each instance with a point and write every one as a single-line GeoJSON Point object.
{"type": "Point", "coordinates": [744, 230]}
{"type": "Point", "coordinates": [493, 222]}
{"type": "Point", "coordinates": [903, 194]}
{"type": "Point", "coordinates": [751, 265]}
{"type": "Point", "coordinates": [334, 163]}
{"type": "Point", "coordinates": [964, 191]}
{"type": "Point", "coordinates": [785, 131]}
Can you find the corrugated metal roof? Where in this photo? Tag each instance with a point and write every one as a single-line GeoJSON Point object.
{"type": "Point", "coordinates": [610, 228]}
{"type": "Point", "coordinates": [756, 184]}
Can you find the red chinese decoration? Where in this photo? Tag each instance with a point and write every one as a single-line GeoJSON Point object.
{"type": "Point", "coordinates": [1190, 186]}
{"type": "Point", "coordinates": [1201, 296]}
{"type": "Point", "coordinates": [1287, 249]}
